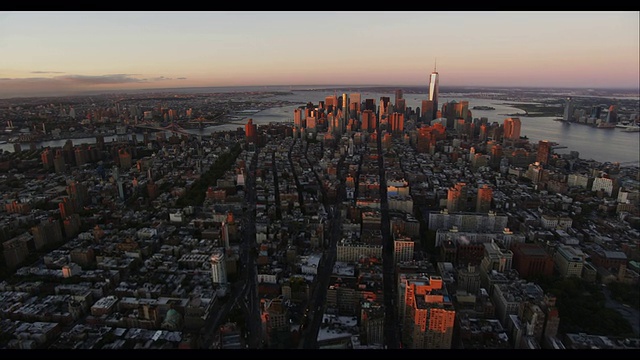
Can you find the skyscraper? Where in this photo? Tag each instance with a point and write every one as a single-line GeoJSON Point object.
{"type": "Point", "coordinates": [250, 131]}
{"type": "Point", "coordinates": [457, 197]}
{"type": "Point", "coordinates": [218, 267]}
{"type": "Point", "coordinates": [544, 150]}
{"type": "Point", "coordinates": [433, 90]}
{"type": "Point", "coordinates": [512, 128]}
{"type": "Point", "coordinates": [483, 199]}
{"type": "Point", "coordinates": [568, 110]}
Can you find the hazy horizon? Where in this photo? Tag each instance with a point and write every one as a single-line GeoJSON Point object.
{"type": "Point", "coordinates": [62, 53]}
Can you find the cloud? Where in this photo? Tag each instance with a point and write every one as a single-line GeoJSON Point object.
{"type": "Point", "coordinates": [47, 72]}
{"type": "Point", "coordinates": [100, 79]}
{"type": "Point", "coordinates": [66, 84]}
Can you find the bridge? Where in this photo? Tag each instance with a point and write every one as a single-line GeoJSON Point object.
{"type": "Point", "coordinates": [200, 121]}
{"type": "Point", "coordinates": [173, 127]}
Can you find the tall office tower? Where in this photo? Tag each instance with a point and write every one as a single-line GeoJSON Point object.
{"type": "Point", "coordinates": [47, 158]}
{"type": "Point", "coordinates": [344, 103]}
{"type": "Point", "coordinates": [59, 163]}
{"type": "Point", "coordinates": [250, 131]}
{"type": "Point", "coordinates": [66, 207]}
{"type": "Point", "coordinates": [426, 112]}
{"type": "Point", "coordinates": [125, 159]}
{"type": "Point", "coordinates": [482, 136]}
{"type": "Point", "coordinates": [497, 155]}
{"type": "Point", "coordinates": [311, 123]}
{"type": "Point", "coordinates": [224, 229]}
{"type": "Point", "coordinates": [331, 102]}
{"type": "Point", "coordinates": [461, 110]}
{"type": "Point", "coordinates": [81, 155]}
{"type": "Point", "coordinates": [429, 316]}
{"type": "Point", "coordinates": [354, 104]}
{"type": "Point", "coordinates": [396, 123]}
{"type": "Point", "coordinates": [544, 150]}
{"type": "Point", "coordinates": [218, 267]}
{"type": "Point", "coordinates": [612, 115]}
{"type": "Point", "coordinates": [384, 104]}
{"type": "Point", "coordinates": [67, 152]}
{"type": "Point", "coordinates": [568, 110]}
{"type": "Point", "coordinates": [118, 179]}
{"type": "Point", "coordinates": [512, 128]}
{"type": "Point", "coordinates": [483, 200]}
{"type": "Point", "coordinates": [370, 104]}
{"type": "Point", "coordinates": [595, 112]}
{"type": "Point", "coordinates": [298, 118]}
{"type": "Point", "coordinates": [398, 96]}
{"type": "Point", "coordinates": [434, 90]}
{"type": "Point", "coordinates": [368, 121]}
{"type": "Point", "coordinates": [457, 197]}
{"type": "Point", "coordinates": [78, 192]}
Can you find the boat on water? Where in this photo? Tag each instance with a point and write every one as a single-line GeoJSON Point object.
{"type": "Point", "coordinates": [631, 128]}
{"type": "Point", "coordinates": [606, 126]}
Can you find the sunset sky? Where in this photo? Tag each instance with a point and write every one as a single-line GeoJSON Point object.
{"type": "Point", "coordinates": [59, 52]}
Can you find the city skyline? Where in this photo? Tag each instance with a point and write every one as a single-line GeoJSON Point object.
{"type": "Point", "coordinates": [51, 53]}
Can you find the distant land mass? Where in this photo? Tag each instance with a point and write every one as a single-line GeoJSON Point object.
{"type": "Point", "coordinates": [483, 91]}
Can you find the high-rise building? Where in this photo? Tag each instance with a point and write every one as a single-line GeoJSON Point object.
{"type": "Point", "coordinates": [427, 112]}
{"type": "Point", "coordinates": [47, 158]}
{"type": "Point", "coordinates": [434, 90]}
{"type": "Point", "coordinates": [224, 230]}
{"type": "Point", "coordinates": [384, 104]}
{"type": "Point", "coordinates": [429, 315]}
{"type": "Point", "coordinates": [483, 201]}
{"type": "Point", "coordinates": [568, 110]}
{"type": "Point", "coordinates": [59, 163]}
{"type": "Point", "coordinates": [396, 123]}
{"type": "Point", "coordinates": [403, 249]}
{"type": "Point", "coordinates": [544, 150]}
{"type": "Point", "coordinates": [125, 158]}
{"type": "Point", "coordinates": [46, 232]}
{"type": "Point", "coordinates": [218, 267]}
{"type": "Point", "coordinates": [512, 128]}
{"type": "Point", "coordinates": [250, 131]}
{"type": "Point", "coordinates": [81, 155]}
{"type": "Point", "coordinates": [368, 121]}
{"type": "Point", "coordinates": [298, 118]}
{"type": "Point", "coordinates": [16, 250]}
{"type": "Point", "coordinates": [399, 105]}
{"type": "Point", "coordinates": [595, 112]}
{"type": "Point", "coordinates": [370, 104]}
{"type": "Point", "coordinates": [354, 104]}
{"type": "Point", "coordinates": [612, 115]}
{"type": "Point", "coordinates": [344, 104]}
{"type": "Point", "coordinates": [457, 197]}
